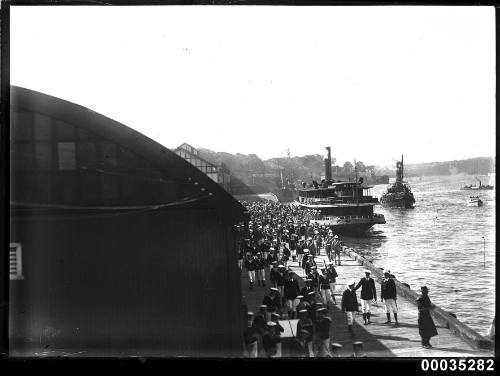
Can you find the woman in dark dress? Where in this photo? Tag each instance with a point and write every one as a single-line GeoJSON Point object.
{"type": "Point", "coordinates": [426, 327]}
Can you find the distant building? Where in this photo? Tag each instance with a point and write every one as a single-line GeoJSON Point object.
{"type": "Point", "coordinates": [217, 172]}
{"type": "Point", "coordinates": [118, 246]}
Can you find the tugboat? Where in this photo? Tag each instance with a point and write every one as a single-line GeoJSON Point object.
{"type": "Point", "coordinates": [341, 206]}
{"type": "Point", "coordinates": [475, 201]}
{"type": "Point", "coordinates": [399, 194]}
{"type": "Point", "coordinates": [474, 187]}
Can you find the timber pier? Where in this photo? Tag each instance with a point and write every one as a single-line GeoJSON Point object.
{"type": "Point", "coordinates": [454, 339]}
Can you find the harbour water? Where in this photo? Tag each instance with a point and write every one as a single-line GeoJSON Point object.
{"type": "Point", "coordinates": [440, 244]}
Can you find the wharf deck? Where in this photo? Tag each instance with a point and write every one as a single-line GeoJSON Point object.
{"type": "Point", "coordinates": [379, 339]}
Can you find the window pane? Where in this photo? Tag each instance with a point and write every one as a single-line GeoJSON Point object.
{"type": "Point", "coordinates": [83, 134]}
{"type": "Point", "coordinates": [65, 131]}
{"type": "Point", "coordinates": [87, 155]}
{"type": "Point", "coordinates": [66, 155]}
{"type": "Point", "coordinates": [22, 123]}
{"type": "Point", "coordinates": [107, 156]}
{"type": "Point", "coordinates": [22, 187]}
{"type": "Point", "coordinates": [43, 155]}
{"type": "Point", "coordinates": [42, 127]}
{"type": "Point", "coordinates": [22, 156]}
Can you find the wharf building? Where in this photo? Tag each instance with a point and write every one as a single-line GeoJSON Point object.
{"type": "Point", "coordinates": [118, 246]}
{"type": "Point", "coordinates": [217, 172]}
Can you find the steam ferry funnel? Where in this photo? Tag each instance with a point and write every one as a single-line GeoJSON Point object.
{"type": "Point", "coordinates": [328, 165]}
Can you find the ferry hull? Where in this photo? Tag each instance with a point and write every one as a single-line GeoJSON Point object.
{"type": "Point", "coordinates": [350, 225]}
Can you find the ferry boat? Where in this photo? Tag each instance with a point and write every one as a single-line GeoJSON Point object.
{"type": "Point", "coordinates": [475, 201]}
{"type": "Point", "coordinates": [399, 194]}
{"type": "Point", "coordinates": [342, 206]}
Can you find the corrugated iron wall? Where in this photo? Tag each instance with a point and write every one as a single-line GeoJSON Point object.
{"type": "Point", "coordinates": [150, 283]}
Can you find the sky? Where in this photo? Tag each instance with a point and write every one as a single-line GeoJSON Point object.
{"type": "Point", "coordinates": [371, 82]}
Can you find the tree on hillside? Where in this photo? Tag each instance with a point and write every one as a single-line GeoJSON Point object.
{"type": "Point", "coordinates": [360, 166]}
{"type": "Point", "coordinates": [348, 167]}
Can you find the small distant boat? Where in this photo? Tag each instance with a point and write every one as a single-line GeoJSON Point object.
{"type": "Point", "coordinates": [475, 201]}
{"type": "Point", "coordinates": [479, 187]}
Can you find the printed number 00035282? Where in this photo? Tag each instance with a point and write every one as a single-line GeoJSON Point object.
{"type": "Point", "coordinates": [471, 364]}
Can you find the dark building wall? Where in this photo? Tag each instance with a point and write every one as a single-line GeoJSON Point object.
{"type": "Point", "coordinates": [159, 279]}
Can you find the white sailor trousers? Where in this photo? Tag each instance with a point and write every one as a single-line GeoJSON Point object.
{"type": "Point", "coordinates": [292, 304]}
{"type": "Point", "coordinates": [350, 317]}
{"type": "Point", "coordinates": [251, 275]}
{"type": "Point", "coordinates": [390, 304]}
{"type": "Point", "coordinates": [261, 275]}
{"type": "Point", "coordinates": [366, 305]}
{"type": "Point", "coordinates": [332, 287]}
{"type": "Point", "coordinates": [326, 295]}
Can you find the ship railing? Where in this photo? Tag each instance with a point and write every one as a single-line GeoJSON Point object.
{"type": "Point", "coordinates": [329, 218]}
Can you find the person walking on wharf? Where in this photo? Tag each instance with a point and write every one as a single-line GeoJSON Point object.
{"type": "Point", "coordinates": [299, 348]}
{"type": "Point", "coordinates": [389, 295]}
{"type": "Point", "coordinates": [325, 289]}
{"type": "Point", "coordinates": [305, 323]}
{"type": "Point", "coordinates": [272, 301]}
{"type": "Point", "coordinates": [368, 294]}
{"type": "Point", "coordinates": [260, 265]}
{"type": "Point", "coordinates": [337, 246]}
{"type": "Point", "coordinates": [426, 327]}
{"type": "Point", "coordinates": [349, 305]}
{"type": "Point", "coordinates": [250, 266]}
{"type": "Point", "coordinates": [322, 330]}
{"type": "Point", "coordinates": [291, 292]}
{"type": "Point", "coordinates": [332, 279]}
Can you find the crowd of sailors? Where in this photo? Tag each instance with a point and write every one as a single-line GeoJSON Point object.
{"type": "Point", "coordinates": [278, 236]}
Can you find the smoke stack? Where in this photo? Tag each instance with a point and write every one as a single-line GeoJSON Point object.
{"type": "Point", "coordinates": [328, 165]}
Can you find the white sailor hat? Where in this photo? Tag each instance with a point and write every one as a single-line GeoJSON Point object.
{"type": "Point", "coordinates": [275, 315]}
{"type": "Point", "coordinates": [271, 249]}
{"type": "Point", "coordinates": [274, 289]}
{"type": "Point", "coordinates": [367, 271]}
{"type": "Point", "coordinates": [311, 293]}
{"type": "Point", "coordinates": [335, 345]}
{"type": "Point", "coordinates": [303, 311]}
{"type": "Point", "coordinates": [263, 306]}
{"type": "Point", "coordinates": [336, 237]}
{"type": "Point", "coordinates": [271, 323]}
{"type": "Point", "coordinates": [357, 344]}
{"type": "Point", "coordinates": [300, 297]}
{"type": "Point", "coordinates": [281, 266]}
{"type": "Point", "coordinates": [322, 309]}
{"type": "Point", "coordinates": [249, 314]}
{"type": "Point", "coordinates": [309, 280]}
